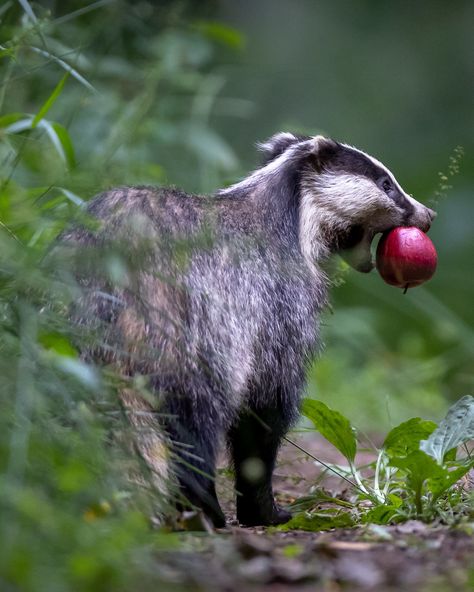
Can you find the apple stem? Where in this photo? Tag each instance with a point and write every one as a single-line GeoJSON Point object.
{"type": "Point", "coordinates": [405, 290]}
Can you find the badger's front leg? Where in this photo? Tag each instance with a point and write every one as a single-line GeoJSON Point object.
{"type": "Point", "coordinates": [254, 441]}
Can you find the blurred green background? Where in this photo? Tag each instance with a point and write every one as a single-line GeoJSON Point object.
{"type": "Point", "coordinates": [179, 92]}
{"type": "Point", "coordinates": [182, 91]}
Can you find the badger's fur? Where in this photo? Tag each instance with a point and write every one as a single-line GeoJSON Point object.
{"type": "Point", "coordinates": [219, 306]}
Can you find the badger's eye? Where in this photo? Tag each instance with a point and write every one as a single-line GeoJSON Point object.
{"type": "Point", "coordinates": [387, 185]}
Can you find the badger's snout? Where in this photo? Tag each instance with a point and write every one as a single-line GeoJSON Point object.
{"type": "Point", "coordinates": [422, 218]}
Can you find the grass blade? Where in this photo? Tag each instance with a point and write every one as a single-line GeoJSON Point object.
{"type": "Point", "coordinates": [28, 10]}
{"type": "Point", "coordinates": [64, 65]}
{"type": "Point", "coordinates": [61, 140]}
{"type": "Point", "coordinates": [50, 100]}
{"type": "Point", "coordinates": [80, 11]}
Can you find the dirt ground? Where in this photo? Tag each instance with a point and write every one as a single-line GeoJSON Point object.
{"type": "Point", "coordinates": [409, 557]}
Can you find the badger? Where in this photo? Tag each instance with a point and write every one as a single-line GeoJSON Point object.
{"type": "Point", "coordinates": [217, 309]}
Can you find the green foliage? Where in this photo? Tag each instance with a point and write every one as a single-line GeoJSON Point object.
{"type": "Point", "coordinates": [318, 521]}
{"type": "Point", "coordinates": [456, 428]}
{"type": "Point", "coordinates": [415, 470]}
{"type": "Point", "coordinates": [76, 117]}
{"type": "Point", "coordinates": [405, 438]}
{"type": "Point", "coordinates": [333, 426]}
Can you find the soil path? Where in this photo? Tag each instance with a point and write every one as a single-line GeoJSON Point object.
{"type": "Point", "coordinates": [409, 557]}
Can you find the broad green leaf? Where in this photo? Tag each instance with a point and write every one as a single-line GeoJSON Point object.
{"type": "Point", "coordinates": [455, 429]}
{"type": "Point", "coordinates": [50, 101]}
{"type": "Point", "coordinates": [405, 438]}
{"type": "Point", "coordinates": [318, 521]}
{"type": "Point", "coordinates": [333, 426]}
{"type": "Point", "coordinates": [450, 455]}
{"type": "Point", "coordinates": [439, 484]}
{"type": "Point", "coordinates": [383, 514]}
{"type": "Point", "coordinates": [419, 467]}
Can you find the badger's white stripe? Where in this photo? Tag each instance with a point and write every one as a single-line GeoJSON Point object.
{"type": "Point", "coordinates": [269, 170]}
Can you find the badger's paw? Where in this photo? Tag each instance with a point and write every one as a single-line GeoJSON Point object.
{"type": "Point", "coordinates": [255, 516]}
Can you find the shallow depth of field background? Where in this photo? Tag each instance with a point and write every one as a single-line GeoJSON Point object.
{"type": "Point", "coordinates": [184, 90]}
{"type": "Point", "coordinates": [179, 92]}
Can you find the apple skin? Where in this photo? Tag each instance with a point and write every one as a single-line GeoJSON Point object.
{"type": "Point", "coordinates": [406, 257]}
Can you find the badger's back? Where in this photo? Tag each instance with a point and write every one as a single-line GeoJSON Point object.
{"type": "Point", "coordinates": [179, 288]}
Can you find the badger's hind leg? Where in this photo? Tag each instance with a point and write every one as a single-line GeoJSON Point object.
{"type": "Point", "coordinates": [253, 442]}
{"type": "Point", "coordinates": [179, 451]}
{"type": "Point", "coordinates": [194, 437]}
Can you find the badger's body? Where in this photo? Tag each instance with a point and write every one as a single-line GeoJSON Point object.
{"type": "Point", "coordinates": [219, 305]}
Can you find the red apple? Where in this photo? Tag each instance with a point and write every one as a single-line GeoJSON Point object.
{"type": "Point", "coordinates": [406, 257]}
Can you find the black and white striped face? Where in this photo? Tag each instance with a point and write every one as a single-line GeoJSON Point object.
{"type": "Point", "coordinates": [347, 197]}
{"type": "Point", "coordinates": [358, 197]}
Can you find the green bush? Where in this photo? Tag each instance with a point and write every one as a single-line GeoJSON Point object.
{"type": "Point", "coordinates": [82, 110]}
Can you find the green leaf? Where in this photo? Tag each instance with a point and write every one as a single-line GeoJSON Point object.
{"type": "Point", "coordinates": [333, 426]}
{"type": "Point", "coordinates": [308, 502]}
{"type": "Point", "coordinates": [61, 140]}
{"type": "Point", "coordinates": [64, 65]}
{"type": "Point", "coordinates": [450, 455]}
{"type": "Point", "coordinates": [57, 343]}
{"type": "Point", "coordinates": [419, 467]}
{"type": "Point", "coordinates": [58, 135]}
{"type": "Point", "coordinates": [318, 521]}
{"type": "Point", "coordinates": [50, 100]}
{"type": "Point", "coordinates": [455, 429]}
{"type": "Point", "coordinates": [66, 143]}
{"type": "Point", "coordinates": [405, 438]}
{"type": "Point", "coordinates": [383, 514]}
{"type": "Point", "coordinates": [18, 125]}
{"type": "Point", "coordinates": [9, 118]}
{"type": "Point", "coordinates": [439, 484]}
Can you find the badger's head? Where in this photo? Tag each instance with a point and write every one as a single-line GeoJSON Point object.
{"type": "Point", "coordinates": [346, 197]}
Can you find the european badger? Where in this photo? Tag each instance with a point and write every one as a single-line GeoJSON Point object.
{"type": "Point", "coordinates": [219, 306]}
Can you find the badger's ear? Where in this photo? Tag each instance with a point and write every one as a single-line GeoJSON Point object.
{"type": "Point", "coordinates": [277, 144]}
{"type": "Point", "coordinates": [325, 150]}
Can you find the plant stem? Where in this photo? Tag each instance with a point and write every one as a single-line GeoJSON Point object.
{"type": "Point", "coordinates": [379, 494]}
{"type": "Point", "coordinates": [361, 489]}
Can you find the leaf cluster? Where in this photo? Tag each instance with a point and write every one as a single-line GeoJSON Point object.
{"type": "Point", "coordinates": [417, 469]}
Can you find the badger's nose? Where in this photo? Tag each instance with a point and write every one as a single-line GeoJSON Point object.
{"type": "Point", "coordinates": [429, 216]}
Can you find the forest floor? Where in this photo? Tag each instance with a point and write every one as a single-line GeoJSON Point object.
{"type": "Point", "coordinates": [411, 556]}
